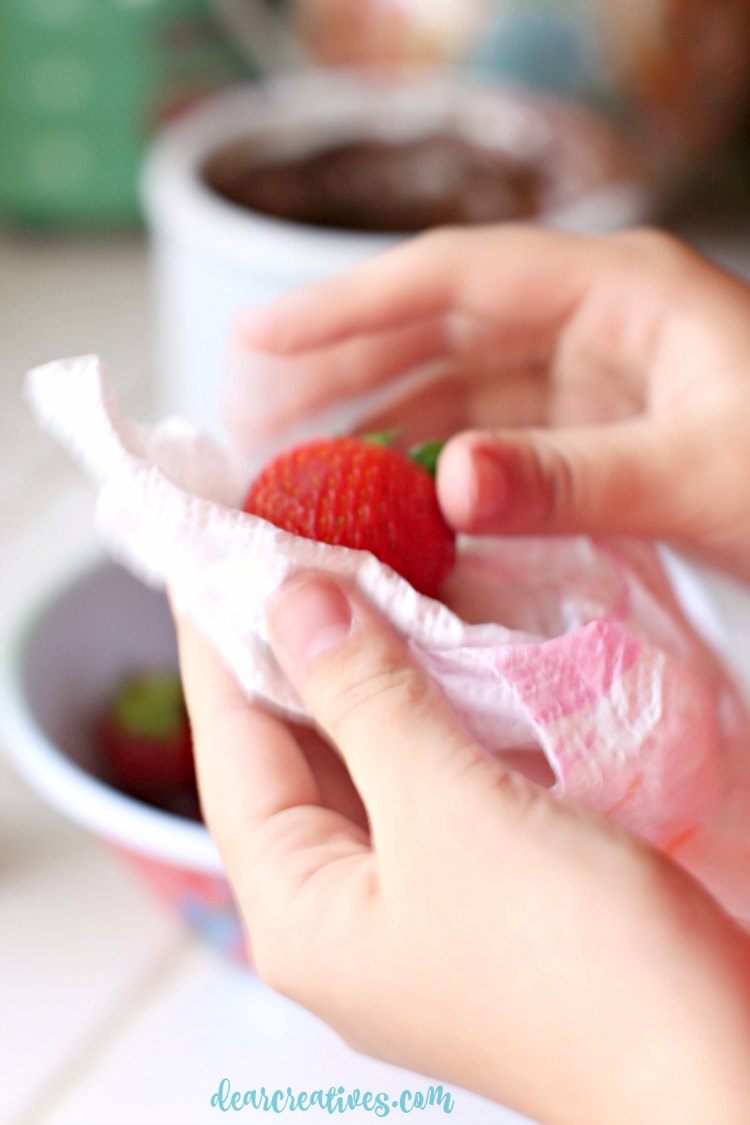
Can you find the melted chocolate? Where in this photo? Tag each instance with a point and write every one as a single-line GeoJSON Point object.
{"type": "Point", "coordinates": [379, 185]}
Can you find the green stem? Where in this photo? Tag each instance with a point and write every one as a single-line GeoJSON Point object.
{"type": "Point", "coordinates": [426, 454]}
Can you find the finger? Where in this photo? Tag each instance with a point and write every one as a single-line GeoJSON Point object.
{"type": "Point", "coordinates": [229, 733]}
{"type": "Point", "coordinates": [455, 400]}
{"type": "Point", "coordinates": [523, 277]}
{"type": "Point", "coordinates": [566, 313]}
{"type": "Point", "coordinates": [384, 293]}
{"type": "Point", "coordinates": [616, 479]}
{"type": "Point", "coordinates": [254, 780]}
{"type": "Point", "coordinates": [495, 301]}
{"type": "Point", "coordinates": [402, 743]}
{"type": "Point", "coordinates": [265, 393]}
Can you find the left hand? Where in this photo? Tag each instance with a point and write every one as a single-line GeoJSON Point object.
{"type": "Point", "coordinates": [444, 913]}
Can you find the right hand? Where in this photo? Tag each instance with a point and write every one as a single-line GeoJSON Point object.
{"type": "Point", "coordinates": [610, 378]}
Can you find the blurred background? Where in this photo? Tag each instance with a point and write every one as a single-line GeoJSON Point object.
{"type": "Point", "coordinates": [86, 83]}
{"type": "Point", "coordinates": [162, 163]}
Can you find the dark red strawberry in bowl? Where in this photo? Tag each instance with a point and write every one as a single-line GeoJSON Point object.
{"type": "Point", "coordinates": [361, 493]}
{"type": "Point", "coordinates": [144, 737]}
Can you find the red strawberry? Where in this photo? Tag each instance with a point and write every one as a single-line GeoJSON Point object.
{"type": "Point", "coordinates": [357, 492]}
{"type": "Point", "coordinates": [144, 737]}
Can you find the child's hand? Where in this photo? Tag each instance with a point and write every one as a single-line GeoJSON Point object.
{"type": "Point", "coordinates": [480, 931]}
{"type": "Point", "coordinates": [550, 333]}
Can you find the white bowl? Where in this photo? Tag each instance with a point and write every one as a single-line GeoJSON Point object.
{"type": "Point", "coordinates": [64, 659]}
{"type": "Point", "coordinates": [213, 257]}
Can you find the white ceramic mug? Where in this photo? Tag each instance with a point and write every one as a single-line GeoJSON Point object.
{"type": "Point", "coordinates": [213, 257]}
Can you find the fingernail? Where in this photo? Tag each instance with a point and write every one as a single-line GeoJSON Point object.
{"type": "Point", "coordinates": [309, 616]}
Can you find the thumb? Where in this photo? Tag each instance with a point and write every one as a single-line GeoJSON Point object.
{"type": "Point", "coordinates": [618, 479]}
{"type": "Point", "coordinates": [401, 741]}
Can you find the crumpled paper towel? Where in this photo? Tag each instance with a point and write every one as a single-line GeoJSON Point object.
{"type": "Point", "coordinates": [567, 647]}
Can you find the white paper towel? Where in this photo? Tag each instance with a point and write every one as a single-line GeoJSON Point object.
{"type": "Point", "coordinates": [570, 647]}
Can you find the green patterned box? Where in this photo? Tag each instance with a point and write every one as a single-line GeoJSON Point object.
{"type": "Point", "coordinates": [83, 86]}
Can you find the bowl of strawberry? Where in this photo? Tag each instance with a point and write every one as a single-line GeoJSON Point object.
{"type": "Point", "coordinates": [95, 716]}
{"type": "Point", "coordinates": [94, 719]}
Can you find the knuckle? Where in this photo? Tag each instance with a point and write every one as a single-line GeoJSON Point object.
{"type": "Point", "coordinates": [656, 247]}
{"type": "Point", "coordinates": [274, 839]}
{"type": "Point", "coordinates": [562, 484]}
{"type": "Point", "coordinates": [375, 697]}
{"type": "Point", "coordinates": [445, 237]}
{"type": "Point", "coordinates": [443, 244]}
{"type": "Point", "coordinates": [524, 803]}
{"type": "Point", "coordinates": [525, 799]}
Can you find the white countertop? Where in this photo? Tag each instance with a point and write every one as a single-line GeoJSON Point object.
{"type": "Point", "coordinates": [111, 1012]}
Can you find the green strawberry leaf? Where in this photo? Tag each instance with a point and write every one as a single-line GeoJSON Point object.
{"type": "Point", "coordinates": [381, 437]}
{"type": "Point", "coordinates": [426, 454]}
{"type": "Point", "coordinates": [151, 704]}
